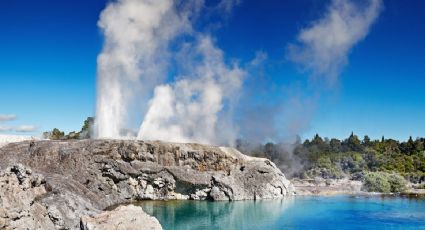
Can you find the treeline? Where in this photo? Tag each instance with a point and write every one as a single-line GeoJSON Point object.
{"type": "Point", "coordinates": [352, 157]}
{"type": "Point", "coordinates": [84, 133]}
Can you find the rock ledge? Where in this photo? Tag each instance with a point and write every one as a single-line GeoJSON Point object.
{"type": "Point", "coordinates": [63, 181]}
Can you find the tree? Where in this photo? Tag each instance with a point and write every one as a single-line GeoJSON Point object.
{"type": "Point", "coordinates": [335, 145]}
{"type": "Point", "coordinates": [87, 129]}
{"type": "Point", "coordinates": [317, 140]}
{"type": "Point", "coordinates": [366, 141]}
{"type": "Point", "coordinates": [85, 133]}
{"type": "Point", "coordinates": [55, 134]}
{"type": "Point", "coordinates": [419, 145]}
{"type": "Point", "coordinates": [410, 145]}
{"type": "Point", "coordinates": [352, 143]}
{"type": "Point", "coordinates": [271, 151]}
{"type": "Point", "coordinates": [72, 135]}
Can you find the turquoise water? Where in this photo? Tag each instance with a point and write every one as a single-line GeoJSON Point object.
{"type": "Point", "coordinates": [320, 212]}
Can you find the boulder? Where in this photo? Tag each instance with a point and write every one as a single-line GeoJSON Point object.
{"type": "Point", "coordinates": [126, 217]}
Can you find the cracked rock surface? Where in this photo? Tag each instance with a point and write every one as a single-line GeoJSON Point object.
{"type": "Point", "coordinates": [53, 184]}
{"type": "Point", "coordinates": [122, 218]}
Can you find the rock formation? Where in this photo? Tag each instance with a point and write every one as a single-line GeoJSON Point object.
{"type": "Point", "coordinates": [122, 218]}
{"type": "Point", "coordinates": [58, 182]}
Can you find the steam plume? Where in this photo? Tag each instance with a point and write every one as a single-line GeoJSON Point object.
{"type": "Point", "coordinates": [134, 57]}
{"type": "Point", "coordinates": [155, 61]}
{"type": "Point", "coordinates": [193, 108]}
{"type": "Point", "coordinates": [141, 48]}
{"type": "Point", "coordinates": [322, 48]}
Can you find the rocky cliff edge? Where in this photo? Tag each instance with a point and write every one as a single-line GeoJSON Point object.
{"type": "Point", "coordinates": [63, 184]}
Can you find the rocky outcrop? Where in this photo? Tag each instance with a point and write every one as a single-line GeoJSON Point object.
{"type": "Point", "coordinates": [19, 189]}
{"type": "Point", "coordinates": [122, 218]}
{"type": "Point", "coordinates": [81, 178]}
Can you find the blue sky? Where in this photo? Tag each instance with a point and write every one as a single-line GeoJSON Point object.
{"type": "Point", "coordinates": [48, 51]}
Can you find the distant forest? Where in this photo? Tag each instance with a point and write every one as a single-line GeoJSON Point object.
{"type": "Point", "coordinates": [350, 158]}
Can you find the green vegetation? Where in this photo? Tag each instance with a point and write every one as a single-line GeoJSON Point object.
{"type": "Point", "coordinates": [377, 182]}
{"type": "Point", "coordinates": [84, 133]}
{"type": "Point", "coordinates": [384, 164]}
{"type": "Point", "coordinates": [384, 182]}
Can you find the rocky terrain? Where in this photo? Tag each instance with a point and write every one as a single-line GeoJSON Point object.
{"type": "Point", "coordinates": [320, 186]}
{"type": "Point", "coordinates": [69, 184]}
{"type": "Point", "coordinates": [127, 217]}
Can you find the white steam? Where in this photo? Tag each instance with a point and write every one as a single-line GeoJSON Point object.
{"type": "Point", "coordinates": [323, 47]}
{"type": "Point", "coordinates": [134, 57]}
{"type": "Point", "coordinates": [156, 62]}
{"type": "Point", "coordinates": [148, 42]}
{"type": "Point", "coordinates": [192, 109]}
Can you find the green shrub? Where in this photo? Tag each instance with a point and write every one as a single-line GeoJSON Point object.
{"type": "Point", "coordinates": [384, 182]}
{"type": "Point", "coordinates": [376, 182]}
{"type": "Point", "coordinates": [397, 182]}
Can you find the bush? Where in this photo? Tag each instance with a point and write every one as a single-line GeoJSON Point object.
{"type": "Point", "coordinates": [55, 134]}
{"type": "Point", "coordinates": [85, 132]}
{"type": "Point", "coordinates": [325, 169]}
{"type": "Point", "coordinates": [376, 182]}
{"type": "Point", "coordinates": [325, 173]}
{"type": "Point", "coordinates": [384, 182]}
{"type": "Point", "coordinates": [397, 182]}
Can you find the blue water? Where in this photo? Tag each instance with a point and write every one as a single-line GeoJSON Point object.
{"type": "Point", "coordinates": [313, 212]}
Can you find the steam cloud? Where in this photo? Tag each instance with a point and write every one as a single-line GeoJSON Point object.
{"type": "Point", "coordinates": [140, 38]}
{"type": "Point", "coordinates": [192, 109]}
{"type": "Point", "coordinates": [154, 59]}
{"type": "Point", "coordinates": [323, 47]}
{"type": "Point", "coordinates": [134, 57]}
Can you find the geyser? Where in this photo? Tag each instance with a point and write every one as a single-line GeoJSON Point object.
{"type": "Point", "coordinates": [134, 56]}
{"type": "Point", "coordinates": [193, 109]}
{"type": "Point", "coordinates": [143, 43]}
{"type": "Point", "coordinates": [158, 63]}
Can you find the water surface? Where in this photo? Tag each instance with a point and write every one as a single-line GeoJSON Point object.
{"type": "Point", "coordinates": [320, 212]}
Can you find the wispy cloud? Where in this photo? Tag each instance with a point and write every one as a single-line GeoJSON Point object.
{"type": "Point", "coordinates": [25, 128]}
{"type": "Point", "coordinates": [228, 5]}
{"type": "Point", "coordinates": [322, 48]}
{"type": "Point", "coordinates": [7, 117]}
{"type": "Point", "coordinates": [260, 58]}
{"type": "Point", "coordinates": [21, 129]}
{"type": "Point", "coordinates": [5, 128]}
